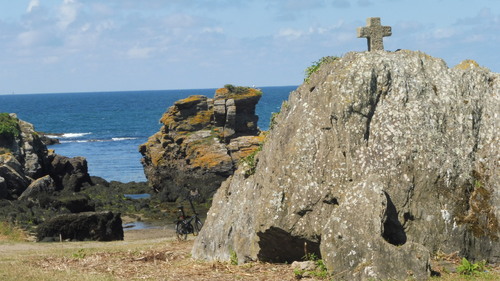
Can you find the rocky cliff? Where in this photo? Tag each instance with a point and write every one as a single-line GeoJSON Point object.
{"type": "Point", "coordinates": [201, 141]}
{"type": "Point", "coordinates": [24, 158]}
{"type": "Point", "coordinates": [38, 185]}
{"type": "Point", "coordinates": [378, 162]}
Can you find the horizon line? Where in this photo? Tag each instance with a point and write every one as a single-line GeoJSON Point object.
{"type": "Point", "coordinates": [131, 91]}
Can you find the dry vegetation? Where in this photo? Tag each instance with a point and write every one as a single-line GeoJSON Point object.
{"type": "Point", "coordinates": [143, 255]}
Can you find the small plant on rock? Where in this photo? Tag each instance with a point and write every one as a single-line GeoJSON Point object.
{"type": "Point", "coordinates": [251, 161]}
{"type": "Point", "coordinates": [468, 268]}
{"type": "Point", "coordinates": [320, 270]}
{"type": "Point", "coordinates": [233, 258]}
{"type": "Point", "coordinates": [316, 65]}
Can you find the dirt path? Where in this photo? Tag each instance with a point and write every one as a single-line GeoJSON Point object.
{"type": "Point", "coordinates": [131, 237]}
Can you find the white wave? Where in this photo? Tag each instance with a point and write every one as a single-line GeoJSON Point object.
{"type": "Point", "coordinates": [81, 141]}
{"type": "Point", "coordinates": [122, 139]}
{"type": "Point", "coordinates": [74, 135]}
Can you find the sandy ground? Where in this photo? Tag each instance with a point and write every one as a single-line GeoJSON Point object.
{"type": "Point", "coordinates": [150, 233]}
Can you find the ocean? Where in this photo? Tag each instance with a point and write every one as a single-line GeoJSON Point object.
{"type": "Point", "coordinates": [108, 127]}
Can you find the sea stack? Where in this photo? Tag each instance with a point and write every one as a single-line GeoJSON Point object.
{"type": "Point", "coordinates": [201, 141]}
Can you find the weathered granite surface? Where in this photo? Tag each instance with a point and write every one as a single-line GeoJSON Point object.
{"type": "Point", "coordinates": [378, 162]}
{"type": "Point", "coordinates": [201, 142]}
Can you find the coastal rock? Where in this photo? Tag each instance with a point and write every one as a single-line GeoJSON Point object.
{"type": "Point", "coordinates": [375, 164]}
{"type": "Point", "coordinates": [101, 226]}
{"type": "Point", "coordinates": [201, 141]}
{"type": "Point", "coordinates": [24, 158]}
{"type": "Point", "coordinates": [69, 173]}
{"type": "Point", "coordinates": [14, 178]}
{"type": "Point", "coordinates": [42, 185]}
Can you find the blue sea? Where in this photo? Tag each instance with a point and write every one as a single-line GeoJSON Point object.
{"type": "Point", "coordinates": [108, 127]}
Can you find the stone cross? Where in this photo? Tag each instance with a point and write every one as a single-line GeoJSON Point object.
{"type": "Point", "coordinates": [375, 33]}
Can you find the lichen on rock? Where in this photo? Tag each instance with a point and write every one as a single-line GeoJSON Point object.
{"type": "Point", "coordinates": [201, 142]}
{"type": "Point", "coordinates": [377, 162]}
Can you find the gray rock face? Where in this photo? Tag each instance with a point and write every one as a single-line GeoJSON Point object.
{"type": "Point", "coordinates": [42, 185]}
{"type": "Point", "coordinates": [15, 180]}
{"type": "Point", "coordinates": [378, 162]}
{"type": "Point", "coordinates": [69, 173]}
{"type": "Point", "coordinates": [24, 158]}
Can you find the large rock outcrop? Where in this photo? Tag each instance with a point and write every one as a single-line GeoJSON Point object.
{"type": "Point", "coordinates": [201, 142]}
{"type": "Point", "coordinates": [97, 226]}
{"type": "Point", "coordinates": [375, 164]}
{"type": "Point", "coordinates": [24, 158]}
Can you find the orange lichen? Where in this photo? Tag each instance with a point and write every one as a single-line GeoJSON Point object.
{"type": "Point", "coordinates": [201, 118]}
{"type": "Point", "coordinates": [210, 160]}
{"type": "Point", "coordinates": [241, 93]}
{"type": "Point", "coordinates": [467, 64]}
{"type": "Point", "coordinates": [221, 91]}
{"type": "Point", "coordinates": [190, 99]}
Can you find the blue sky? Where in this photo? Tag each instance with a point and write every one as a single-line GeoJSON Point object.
{"type": "Point", "coordinates": [114, 45]}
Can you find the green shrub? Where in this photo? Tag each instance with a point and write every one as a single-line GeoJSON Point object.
{"type": "Point", "coordinates": [468, 268]}
{"type": "Point", "coordinates": [316, 65]}
{"type": "Point", "coordinates": [233, 258]}
{"type": "Point", "coordinates": [9, 128]}
{"type": "Point", "coordinates": [236, 89]}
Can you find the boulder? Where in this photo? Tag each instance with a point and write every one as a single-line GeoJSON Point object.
{"type": "Point", "coordinates": [14, 177]}
{"type": "Point", "coordinates": [69, 173]}
{"type": "Point", "coordinates": [375, 164]}
{"type": "Point", "coordinates": [102, 226]}
{"type": "Point", "coordinates": [43, 185]}
{"type": "Point", "coordinates": [201, 142]}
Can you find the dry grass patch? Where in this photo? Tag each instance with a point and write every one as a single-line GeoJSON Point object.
{"type": "Point", "coordinates": [168, 260]}
{"type": "Point", "coordinates": [146, 256]}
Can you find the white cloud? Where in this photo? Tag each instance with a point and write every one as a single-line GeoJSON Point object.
{"type": "Point", "coordinates": [28, 38]}
{"type": "Point", "coordinates": [33, 5]}
{"type": "Point", "coordinates": [290, 33]}
{"type": "Point", "coordinates": [140, 52]}
{"type": "Point", "coordinates": [68, 12]}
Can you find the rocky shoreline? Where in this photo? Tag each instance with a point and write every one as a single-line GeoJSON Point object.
{"type": "Point", "coordinates": [39, 187]}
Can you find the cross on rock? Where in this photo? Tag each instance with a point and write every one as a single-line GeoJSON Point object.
{"type": "Point", "coordinates": [374, 32]}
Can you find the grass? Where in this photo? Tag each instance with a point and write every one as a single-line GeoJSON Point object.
{"type": "Point", "coordinates": [154, 259]}
{"type": "Point", "coordinates": [150, 258]}
{"type": "Point", "coordinates": [150, 255]}
{"type": "Point", "coordinates": [9, 232]}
